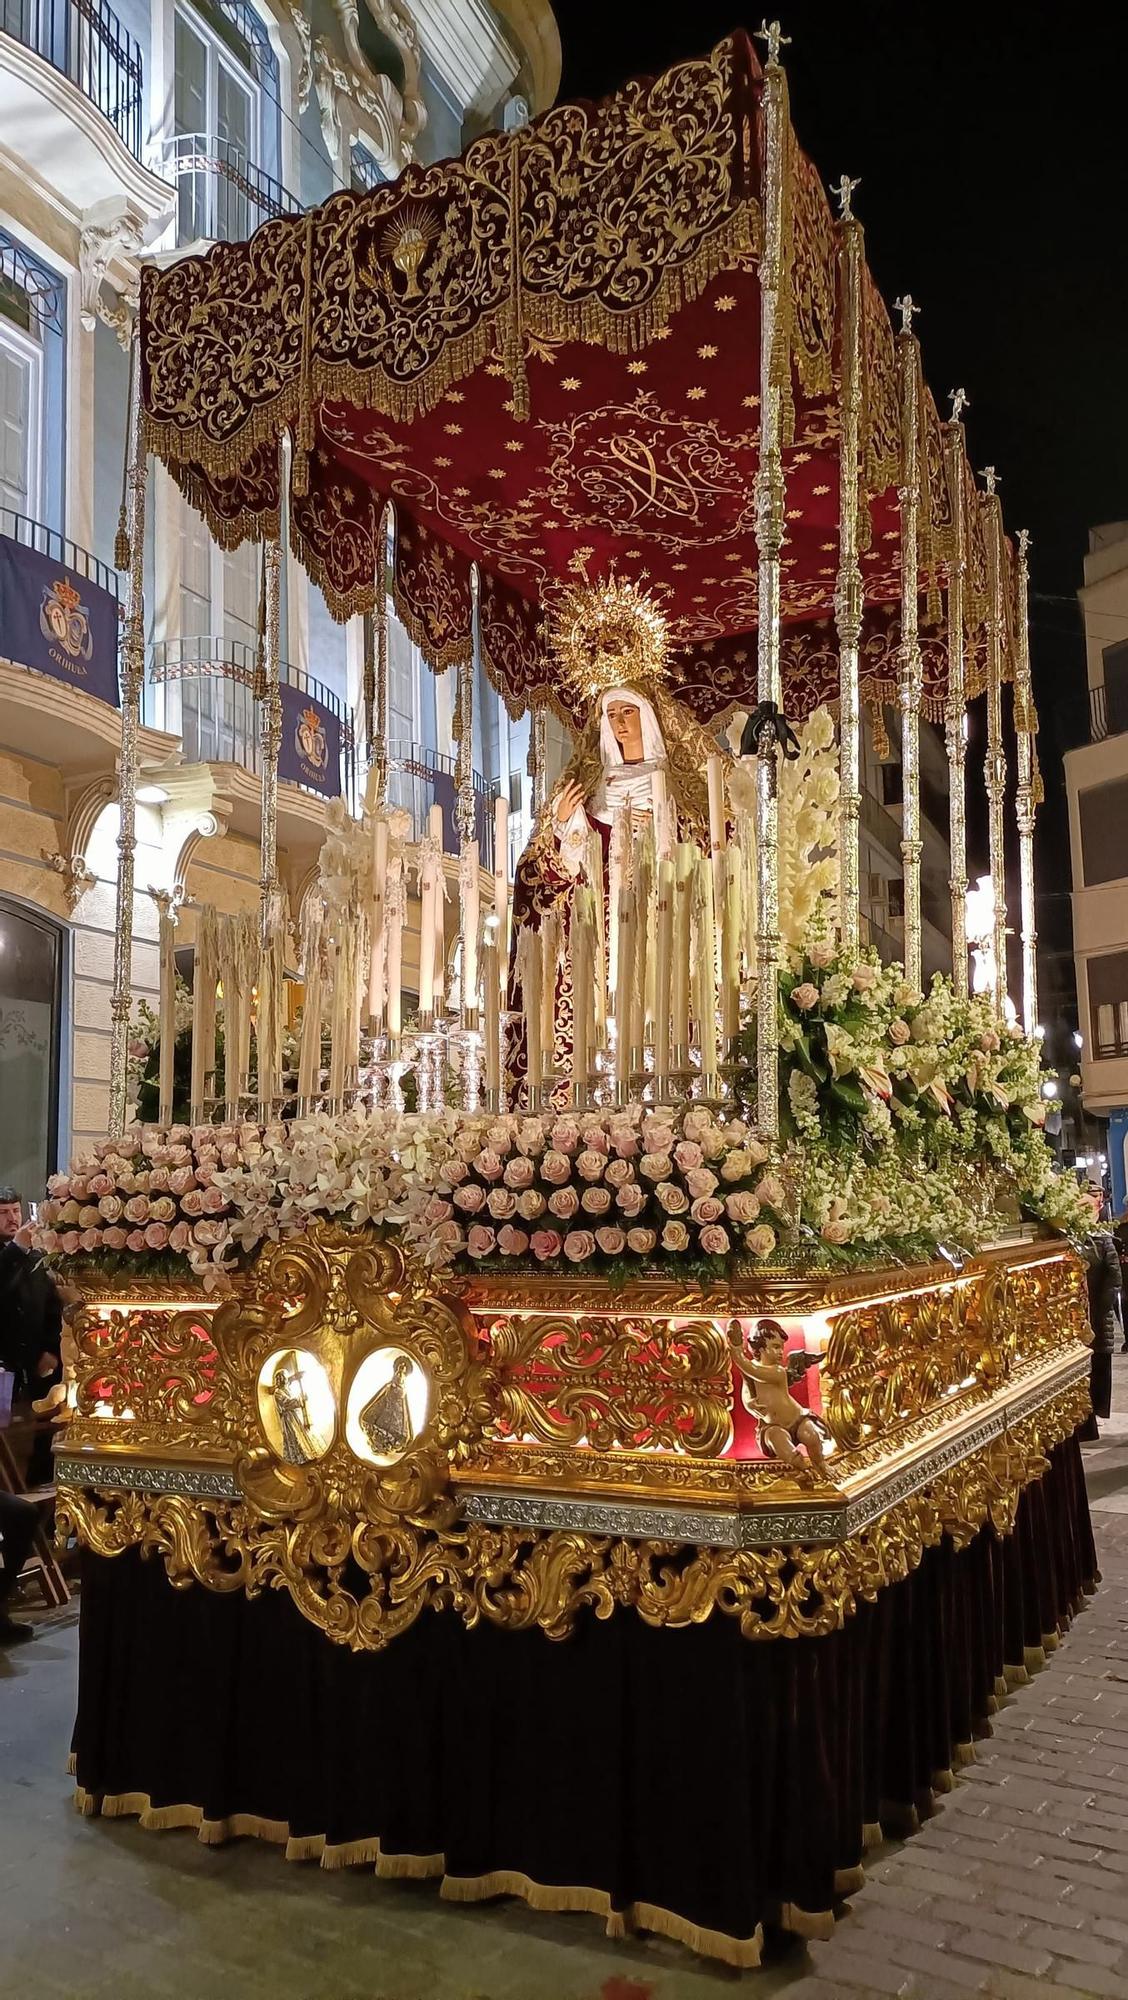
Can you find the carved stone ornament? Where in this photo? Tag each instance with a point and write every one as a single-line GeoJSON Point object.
{"type": "Point", "coordinates": [77, 876]}
{"type": "Point", "coordinates": [107, 233]}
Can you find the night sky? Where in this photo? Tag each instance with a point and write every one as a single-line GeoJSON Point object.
{"type": "Point", "coordinates": [992, 145]}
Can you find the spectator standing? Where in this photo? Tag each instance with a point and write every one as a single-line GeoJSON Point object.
{"type": "Point", "coordinates": [31, 1323]}
{"type": "Point", "coordinates": [1102, 1272]}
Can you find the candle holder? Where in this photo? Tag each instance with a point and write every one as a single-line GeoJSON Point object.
{"type": "Point", "coordinates": [471, 1064]}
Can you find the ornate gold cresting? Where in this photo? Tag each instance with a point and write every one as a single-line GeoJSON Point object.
{"type": "Point", "coordinates": [955, 709]}
{"type": "Point", "coordinates": [775, 395]}
{"type": "Point", "coordinates": [848, 591]}
{"type": "Point", "coordinates": [909, 489]}
{"type": "Point", "coordinates": [1026, 803]}
{"type": "Point", "coordinates": [132, 681]}
{"type": "Point", "coordinates": [995, 763]}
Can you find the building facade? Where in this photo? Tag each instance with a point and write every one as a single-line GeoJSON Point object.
{"type": "Point", "coordinates": [1097, 783]}
{"type": "Point", "coordinates": [145, 130]}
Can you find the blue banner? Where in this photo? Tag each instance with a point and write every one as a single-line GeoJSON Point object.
{"type": "Point", "coordinates": [311, 743]}
{"type": "Point", "coordinates": [58, 622]}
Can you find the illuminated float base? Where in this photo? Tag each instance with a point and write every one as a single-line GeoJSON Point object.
{"type": "Point", "coordinates": [570, 1636]}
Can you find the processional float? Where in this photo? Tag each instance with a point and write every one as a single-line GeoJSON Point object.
{"type": "Point", "coordinates": [702, 1280]}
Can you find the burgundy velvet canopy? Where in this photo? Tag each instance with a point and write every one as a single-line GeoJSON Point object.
{"type": "Point", "coordinates": [546, 354]}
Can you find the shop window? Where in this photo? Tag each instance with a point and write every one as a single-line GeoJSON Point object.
{"type": "Point", "coordinates": [1108, 1004]}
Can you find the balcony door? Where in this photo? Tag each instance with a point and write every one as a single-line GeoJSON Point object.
{"type": "Point", "coordinates": [21, 413]}
{"type": "Point", "coordinates": [31, 948]}
{"type": "Point", "coordinates": [216, 103]}
{"type": "Point", "coordinates": [219, 598]}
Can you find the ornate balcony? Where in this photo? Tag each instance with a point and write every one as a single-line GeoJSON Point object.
{"type": "Point", "coordinates": [85, 42]}
{"type": "Point", "coordinates": [222, 197]}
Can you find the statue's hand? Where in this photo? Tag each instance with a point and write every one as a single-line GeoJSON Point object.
{"type": "Point", "coordinates": [568, 801]}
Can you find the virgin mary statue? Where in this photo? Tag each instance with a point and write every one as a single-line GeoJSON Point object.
{"type": "Point", "coordinates": [640, 754]}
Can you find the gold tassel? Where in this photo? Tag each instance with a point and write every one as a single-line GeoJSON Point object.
{"type": "Point", "coordinates": [881, 745]}
{"type": "Point", "coordinates": [122, 551]}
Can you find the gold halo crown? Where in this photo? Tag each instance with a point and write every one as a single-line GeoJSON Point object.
{"type": "Point", "coordinates": [608, 635]}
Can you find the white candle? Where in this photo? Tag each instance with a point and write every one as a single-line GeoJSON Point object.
{"type": "Point", "coordinates": [583, 985]}
{"type": "Point", "coordinates": [429, 911]}
{"type": "Point", "coordinates": [393, 919]}
{"type": "Point", "coordinates": [167, 1018]}
{"type": "Point", "coordinates": [704, 968]}
{"type": "Point", "coordinates": [203, 1008]}
{"type": "Point", "coordinates": [730, 971]}
{"type": "Point", "coordinates": [685, 867]}
{"type": "Point", "coordinates": [618, 851]}
{"type": "Point", "coordinates": [492, 1023]}
{"type": "Point", "coordinates": [529, 975]}
{"type": "Point", "coordinates": [501, 876]}
{"type": "Point", "coordinates": [624, 982]}
{"type": "Point", "coordinates": [664, 937]}
{"type": "Point", "coordinates": [309, 1057]}
{"type": "Point", "coordinates": [377, 988]}
{"type": "Point", "coordinates": [663, 818]}
{"type": "Point", "coordinates": [469, 885]}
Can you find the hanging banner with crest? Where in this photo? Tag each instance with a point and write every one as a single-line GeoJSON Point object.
{"type": "Point", "coordinates": [57, 622]}
{"type": "Point", "coordinates": [310, 754]}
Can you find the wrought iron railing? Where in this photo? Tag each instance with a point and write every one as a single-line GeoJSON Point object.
{"type": "Point", "coordinates": [419, 778]}
{"type": "Point", "coordinates": [220, 720]}
{"type": "Point", "coordinates": [48, 542]}
{"type": "Point", "coordinates": [1108, 711]}
{"type": "Point", "coordinates": [221, 196]}
{"type": "Point", "coordinates": [85, 41]}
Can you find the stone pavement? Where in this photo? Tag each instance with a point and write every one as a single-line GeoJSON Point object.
{"type": "Point", "coordinates": [1017, 1887]}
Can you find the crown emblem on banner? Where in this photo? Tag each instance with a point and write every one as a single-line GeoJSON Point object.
{"type": "Point", "coordinates": [607, 634]}
{"type": "Point", "coordinates": [66, 594]}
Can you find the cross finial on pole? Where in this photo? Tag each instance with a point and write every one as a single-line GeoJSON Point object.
{"type": "Point", "coordinates": [772, 35]}
{"type": "Point", "coordinates": [959, 402]}
{"type": "Point", "coordinates": [844, 188]}
{"type": "Point", "coordinates": [990, 479]}
{"type": "Point", "coordinates": [906, 306]}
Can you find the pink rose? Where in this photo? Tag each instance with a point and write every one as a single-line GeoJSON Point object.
{"type": "Point", "coordinates": [135, 1241]}
{"type": "Point", "coordinates": [835, 1231]}
{"type": "Point", "coordinates": [701, 1182]}
{"type": "Point", "coordinates": [203, 1176]}
{"type": "Point", "coordinates": [115, 1238]}
{"type": "Point", "coordinates": [465, 1145]}
{"type": "Point", "coordinates": [69, 1211]}
{"type": "Point", "coordinates": [469, 1198]}
{"type": "Point", "coordinates": [563, 1203]}
{"type": "Point", "coordinates": [594, 1137]}
{"type": "Point", "coordinates": [519, 1172]}
{"type": "Point", "coordinates": [656, 1166]}
{"type": "Point", "coordinates": [512, 1242]}
{"type": "Point", "coordinates": [714, 1240]}
{"type": "Point", "coordinates": [737, 1165]}
{"type": "Point", "coordinates": [178, 1156]}
{"type": "Point", "coordinates": [88, 1216]}
{"type": "Point", "coordinates": [453, 1172]}
{"type": "Point", "coordinates": [110, 1207]}
{"type": "Point", "coordinates": [156, 1236]}
{"type": "Point", "coordinates": [988, 1042]}
{"type": "Point", "coordinates": [192, 1202]}
{"type": "Point", "coordinates": [707, 1210]}
{"type": "Point", "coordinates": [91, 1239]}
{"type": "Point", "coordinates": [180, 1180]}
{"type": "Point", "coordinates": [530, 1138]}
{"type": "Point", "coordinates": [229, 1154]}
{"type": "Point", "coordinates": [502, 1203]}
{"type": "Point", "coordinates": [675, 1236]}
{"type": "Point", "coordinates": [207, 1233]}
{"type": "Point", "coordinates": [80, 1187]}
{"type": "Point", "coordinates": [611, 1240]}
{"type": "Point", "coordinates": [688, 1155]}
{"type": "Point", "coordinates": [99, 1184]}
{"type": "Point", "coordinates": [624, 1142]}
{"type": "Point", "coordinates": [805, 996]}
{"type": "Point", "coordinates": [163, 1209]}
{"type": "Point", "coordinates": [595, 1200]}
{"type": "Point", "coordinates": [631, 1199]}
{"type": "Point", "coordinates": [641, 1241]}
{"type": "Point", "coordinates": [565, 1136]}
{"type": "Point", "coordinates": [821, 955]}
{"type": "Point", "coordinates": [447, 1239]}
{"type": "Point", "coordinates": [657, 1133]}
{"type": "Point", "coordinates": [437, 1210]}
{"type": "Point", "coordinates": [899, 1033]}
{"type": "Point", "coordinates": [757, 1152]}
{"type": "Point", "coordinates": [672, 1198]}
{"type": "Point", "coordinates": [159, 1179]}
{"type": "Point", "coordinates": [579, 1245]}
{"type": "Point", "coordinates": [48, 1240]}
{"type": "Point", "coordinates": [556, 1168]}
{"type": "Point", "coordinates": [481, 1241]}
{"type": "Point", "coordinates": [499, 1136]}
{"type": "Point", "coordinates": [214, 1201]}
{"type": "Point", "coordinates": [531, 1204]}
{"type": "Point", "coordinates": [179, 1237]}
{"type": "Point", "coordinates": [742, 1207]}
{"type": "Point", "coordinates": [865, 978]}
{"type": "Point", "coordinates": [770, 1192]}
{"type": "Point", "coordinates": [137, 1208]}
{"type": "Point", "coordinates": [761, 1241]}
{"type": "Point", "coordinates": [160, 1156]}
{"type": "Point", "coordinates": [59, 1186]}
{"type": "Point", "coordinates": [488, 1165]}
{"type": "Point", "coordinates": [545, 1244]}
{"type": "Point", "coordinates": [68, 1243]}
{"type": "Point", "coordinates": [179, 1135]}
{"type": "Point", "coordinates": [589, 1165]}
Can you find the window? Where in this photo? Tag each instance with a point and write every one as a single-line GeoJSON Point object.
{"type": "Point", "coordinates": [21, 415]}
{"type": "Point", "coordinates": [1115, 659]}
{"type": "Point", "coordinates": [30, 988]}
{"type": "Point", "coordinates": [216, 102]}
{"type": "Point", "coordinates": [219, 608]}
{"type": "Point", "coordinates": [1103, 811]}
{"type": "Point", "coordinates": [1108, 1004]}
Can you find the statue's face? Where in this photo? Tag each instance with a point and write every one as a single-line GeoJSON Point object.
{"type": "Point", "coordinates": [772, 1349]}
{"type": "Point", "coordinates": [626, 726]}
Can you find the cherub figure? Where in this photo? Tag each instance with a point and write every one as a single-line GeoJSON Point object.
{"type": "Point", "coordinates": [784, 1424]}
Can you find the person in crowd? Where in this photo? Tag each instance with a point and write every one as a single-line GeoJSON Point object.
{"type": "Point", "coordinates": [1102, 1270]}
{"type": "Point", "coordinates": [17, 1526]}
{"type": "Point", "coordinates": [31, 1323]}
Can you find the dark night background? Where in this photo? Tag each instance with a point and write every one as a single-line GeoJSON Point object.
{"type": "Point", "coordinates": [991, 142]}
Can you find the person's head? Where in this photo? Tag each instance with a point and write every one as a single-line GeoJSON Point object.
{"type": "Point", "coordinates": [401, 1368]}
{"type": "Point", "coordinates": [11, 1213]}
{"type": "Point", "coordinates": [1094, 1195]}
{"type": "Point", "coordinates": [625, 719]}
{"type": "Point", "coordinates": [769, 1342]}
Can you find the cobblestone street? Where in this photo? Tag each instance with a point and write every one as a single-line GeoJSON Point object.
{"type": "Point", "coordinates": [1018, 1885]}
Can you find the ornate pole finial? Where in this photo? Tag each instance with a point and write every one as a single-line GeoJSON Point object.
{"type": "Point", "coordinates": [774, 39]}
{"type": "Point", "coordinates": [1023, 539]}
{"type": "Point", "coordinates": [843, 188]}
{"type": "Point", "coordinates": [906, 306]}
{"type": "Point", "coordinates": [959, 401]}
{"type": "Point", "coordinates": [991, 479]}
